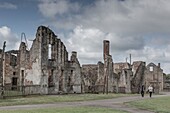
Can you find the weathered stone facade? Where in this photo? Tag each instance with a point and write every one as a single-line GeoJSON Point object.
{"type": "Point", "coordinates": [47, 65]}
{"type": "Point", "coordinates": [138, 69]}
{"type": "Point", "coordinates": [130, 78]}
{"type": "Point", "coordinates": [123, 76]}
{"type": "Point", "coordinates": [90, 76]}
{"type": "Point", "coordinates": [11, 68]}
{"type": "Point", "coordinates": [154, 77]}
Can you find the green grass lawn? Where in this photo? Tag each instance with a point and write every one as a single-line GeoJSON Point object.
{"type": "Point", "coordinates": [66, 110]}
{"type": "Point", "coordinates": [57, 98]}
{"type": "Point", "coordinates": [158, 105]}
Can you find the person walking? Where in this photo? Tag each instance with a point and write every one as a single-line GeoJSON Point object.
{"type": "Point", "coordinates": [150, 89]}
{"type": "Point", "coordinates": [142, 90]}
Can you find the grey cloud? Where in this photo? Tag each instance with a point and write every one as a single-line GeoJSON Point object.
{"type": "Point", "coordinates": [129, 25]}
{"type": "Point", "coordinates": [160, 41]}
{"type": "Point", "coordinates": [128, 18]}
{"type": "Point", "coordinates": [53, 8]}
{"type": "Point", "coordinates": [127, 43]}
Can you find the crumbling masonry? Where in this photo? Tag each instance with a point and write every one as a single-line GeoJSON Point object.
{"type": "Point", "coordinates": [46, 65]}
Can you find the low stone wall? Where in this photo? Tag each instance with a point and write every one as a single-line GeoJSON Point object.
{"type": "Point", "coordinates": [31, 89]}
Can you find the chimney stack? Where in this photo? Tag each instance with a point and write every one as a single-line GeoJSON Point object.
{"type": "Point", "coordinates": [159, 65]}
{"type": "Point", "coordinates": [106, 48]}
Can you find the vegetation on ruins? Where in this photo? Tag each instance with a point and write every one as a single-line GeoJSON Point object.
{"type": "Point", "coordinates": [168, 76]}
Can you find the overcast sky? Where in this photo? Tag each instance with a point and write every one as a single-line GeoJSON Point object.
{"type": "Point", "coordinates": [137, 27]}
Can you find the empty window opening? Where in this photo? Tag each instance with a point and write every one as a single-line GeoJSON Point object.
{"type": "Point", "coordinates": [71, 72]}
{"type": "Point", "coordinates": [22, 77]}
{"type": "Point", "coordinates": [151, 68]}
{"type": "Point", "coordinates": [13, 60]}
{"type": "Point", "coordinates": [126, 77]}
{"type": "Point", "coordinates": [14, 83]}
{"type": "Point", "coordinates": [49, 51]}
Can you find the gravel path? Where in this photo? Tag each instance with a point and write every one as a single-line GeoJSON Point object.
{"type": "Point", "coordinates": [116, 103]}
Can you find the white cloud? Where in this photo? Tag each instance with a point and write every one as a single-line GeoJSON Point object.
{"type": "Point", "coordinates": [87, 42]}
{"type": "Point", "coordinates": [6, 5]}
{"type": "Point", "coordinates": [11, 39]}
{"type": "Point", "coordinates": [140, 27]}
{"type": "Point", "coordinates": [129, 17]}
{"type": "Point", "coordinates": [152, 54]}
{"type": "Point", "coordinates": [51, 8]}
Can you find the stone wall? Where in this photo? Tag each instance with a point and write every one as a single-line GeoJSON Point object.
{"type": "Point", "coordinates": [154, 76]}
{"type": "Point", "coordinates": [138, 79]}
{"type": "Point", "coordinates": [100, 75]}
{"type": "Point", "coordinates": [122, 78]}
{"type": "Point", "coordinates": [73, 75]}
{"type": "Point", "coordinates": [11, 68]}
{"type": "Point", "coordinates": [90, 76]}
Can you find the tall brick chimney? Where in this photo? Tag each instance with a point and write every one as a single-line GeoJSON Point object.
{"type": "Point", "coordinates": [105, 48]}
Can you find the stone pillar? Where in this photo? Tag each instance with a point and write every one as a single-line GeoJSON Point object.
{"type": "Point", "coordinates": [63, 54]}
{"type": "Point", "coordinates": [43, 58]}
{"type": "Point", "coordinates": [110, 73]}
{"type": "Point", "coordinates": [66, 55]}
{"type": "Point", "coordinates": [22, 63]}
{"type": "Point", "coordinates": [59, 51]}
{"type": "Point", "coordinates": [105, 57]}
{"type": "Point", "coordinates": [108, 68]}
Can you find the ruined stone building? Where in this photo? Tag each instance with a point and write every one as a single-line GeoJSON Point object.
{"type": "Point", "coordinates": [166, 81]}
{"type": "Point", "coordinates": [154, 75]}
{"type": "Point", "coordinates": [130, 78]}
{"type": "Point", "coordinates": [46, 66]}
{"type": "Point", "coordinates": [120, 77]}
{"type": "Point", "coordinates": [99, 77]}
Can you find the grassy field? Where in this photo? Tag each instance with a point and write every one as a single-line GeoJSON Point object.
{"type": "Point", "coordinates": [158, 105]}
{"type": "Point", "coordinates": [66, 110]}
{"type": "Point", "coordinates": [57, 98]}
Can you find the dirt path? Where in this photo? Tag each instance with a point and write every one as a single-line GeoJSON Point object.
{"type": "Point", "coordinates": [116, 103]}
